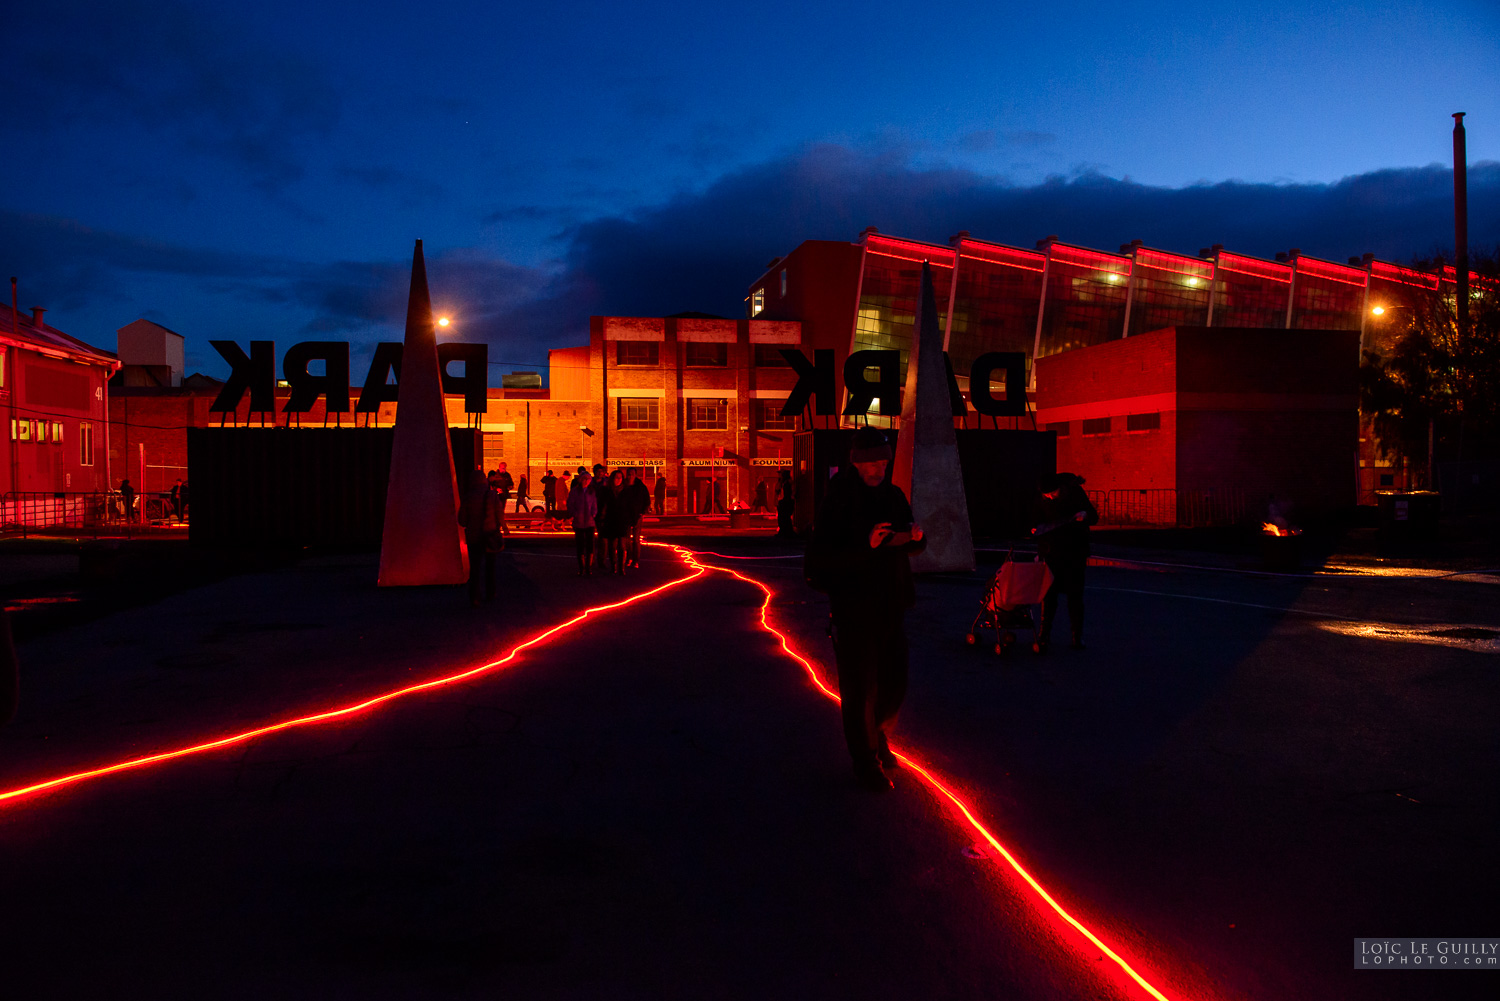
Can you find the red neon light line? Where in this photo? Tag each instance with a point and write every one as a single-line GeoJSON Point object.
{"type": "Point", "coordinates": [331, 714]}
{"type": "Point", "coordinates": [932, 781]}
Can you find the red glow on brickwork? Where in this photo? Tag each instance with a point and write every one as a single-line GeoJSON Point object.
{"type": "Point", "coordinates": [1272, 270]}
{"type": "Point", "coordinates": [910, 250]}
{"type": "Point", "coordinates": [1332, 272]}
{"type": "Point", "coordinates": [945, 793]}
{"type": "Point", "coordinates": [1011, 257]}
{"type": "Point", "coordinates": [1406, 276]}
{"type": "Point", "coordinates": [1176, 263]}
{"type": "Point", "coordinates": [345, 711]}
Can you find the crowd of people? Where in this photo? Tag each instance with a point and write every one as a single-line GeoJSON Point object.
{"type": "Point", "coordinates": [606, 514]}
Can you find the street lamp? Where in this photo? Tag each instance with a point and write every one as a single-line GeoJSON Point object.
{"type": "Point", "coordinates": [1378, 311]}
{"type": "Point", "coordinates": [442, 321]}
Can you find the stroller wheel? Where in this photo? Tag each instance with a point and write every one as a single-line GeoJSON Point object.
{"type": "Point", "coordinates": [971, 639]}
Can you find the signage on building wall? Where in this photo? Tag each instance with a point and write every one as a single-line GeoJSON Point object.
{"type": "Point", "coordinates": [255, 373]}
{"type": "Point", "coordinates": [770, 462]}
{"type": "Point", "coordinates": [815, 383]}
{"type": "Point", "coordinates": [635, 462]}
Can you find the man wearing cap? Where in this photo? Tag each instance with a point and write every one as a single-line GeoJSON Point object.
{"type": "Point", "coordinates": [860, 554]}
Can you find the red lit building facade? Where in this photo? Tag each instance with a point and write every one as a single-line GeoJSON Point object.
{"type": "Point", "coordinates": [1057, 298]}
{"type": "Point", "coordinates": [53, 387]}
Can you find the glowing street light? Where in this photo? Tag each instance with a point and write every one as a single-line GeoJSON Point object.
{"type": "Point", "coordinates": [442, 321]}
{"type": "Point", "coordinates": [1378, 311]}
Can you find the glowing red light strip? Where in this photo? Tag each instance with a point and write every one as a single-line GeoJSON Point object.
{"type": "Point", "coordinates": [1158, 260]}
{"type": "Point", "coordinates": [1332, 272]}
{"type": "Point", "coordinates": [1010, 257]}
{"type": "Point", "coordinates": [1064, 254]}
{"type": "Point", "coordinates": [1406, 276]}
{"type": "Point", "coordinates": [937, 785]}
{"type": "Point", "coordinates": [332, 714]}
{"type": "Point", "coordinates": [1273, 270]}
{"type": "Point", "coordinates": [910, 251]}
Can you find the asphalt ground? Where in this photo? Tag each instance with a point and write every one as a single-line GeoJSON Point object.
{"type": "Point", "coordinates": [1238, 777]}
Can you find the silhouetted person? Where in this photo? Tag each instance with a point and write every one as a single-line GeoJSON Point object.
{"type": "Point", "coordinates": [602, 498]}
{"type": "Point", "coordinates": [549, 494]}
{"type": "Point", "coordinates": [582, 509]}
{"type": "Point", "coordinates": [661, 494]}
{"type": "Point", "coordinates": [760, 497]}
{"type": "Point", "coordinates": [495, 478]}
{"type": "Point", "coordinates": [561, 490]}
{"type": "Point", "coordinates": [127, 498]}
{"type": "Point", "coordinates": [860, 554]}
{"type": "Point", "coordinates": [177, 500]}
{"type": "Point", "coordinates": [523, 494]}
{"type": "Point", "coordinates": [183, 497]}
{"type": "Point", "coordinates": [479, 514]}
{"type": "Point", "coordinates": [784, 504]}
{"type": "Point", "coordinates": [637, 502]}
{"type": "Point", "coordinates": [1063, 516]}
{"type": "Point", "coordinates": [614, 521]}
{"type": "Point", "coordinates": [505, 483]}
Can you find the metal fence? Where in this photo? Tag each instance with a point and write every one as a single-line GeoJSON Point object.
{"type": "Point", "coordinates": [1164, 507]}
{"type": "Point", "coordinates": [26, 510]}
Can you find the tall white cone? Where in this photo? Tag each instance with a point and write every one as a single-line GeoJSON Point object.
{"type": "Point", "coordinates": [927, 465]}
{"type": "Point", "coordinates": [420, 543]}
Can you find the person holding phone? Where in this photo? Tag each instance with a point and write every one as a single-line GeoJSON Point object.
{"type": "Point", "coordinates": [860, 554]}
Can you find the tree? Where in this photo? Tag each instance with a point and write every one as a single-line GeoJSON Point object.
{"type": "Point", "coordinates": [1439, 380]}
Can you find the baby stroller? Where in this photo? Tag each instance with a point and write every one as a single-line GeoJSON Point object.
{"type": "Point", "coordinates": [1009, 602]}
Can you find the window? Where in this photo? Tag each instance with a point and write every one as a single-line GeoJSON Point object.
{"type": "Point", "coordinates": [757, 302]}
{"type": "Point", "coordinates": [706, 415]}
{"type": "Point", "coordinates": [1387, 479]}
{"type": "Point", "coordinates": [1061, 427]}
{"type": "Point", "coordinates": [85, 444]}
{"type": "Point", "coordinates": [1096, 425]}
{"type": "Point", "coordinates": [57, 432]}
{"type": "Point", "coordinates": [769, 356]}
{"type": "Point", "coordinates": [706, 354]}
{"type": "Point", "coordinates": [783, 283]}
{"type": "Point", "coordinates": [639, 415]}
{"type": "Point", "coordinates": [1143, 422]}
{"type": "Point", "coordinates": [768, 416]}
{"type": "Point", "coordinates": [25, 430]}
{"type": "Point", "coordinates": [637, 353]}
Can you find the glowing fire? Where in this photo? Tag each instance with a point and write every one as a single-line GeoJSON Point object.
{"type": "Point", "coordinates": [1270, 529]}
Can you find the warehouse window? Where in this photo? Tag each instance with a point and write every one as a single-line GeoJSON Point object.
{"type": "Point", "coordinates": [1061, 427]}
{"type": "Point", "coordinates": [706, 354]}
{"type": "Point", "coordinates": [757, 302]}
{"type": "Point", "coordinates": [706, 415]}
{"type": "Point", "coordinates": [1143, 422]}
{"type": "Point", "coordinates": [637, 353]}
{"type": "Point", "coordinates": [1096, 425]}
{"type": "Point", "coordinates": [783, 283]}
{"type": "Point", "coordinates": [639, 415]}
{"type": "Point", "coordinates": [769, 356]}
{"type": "Point", "coordinates": [768, 416]}
{"type": "Point", "coordinates": [85, 444]}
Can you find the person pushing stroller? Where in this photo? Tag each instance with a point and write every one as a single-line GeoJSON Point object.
{"type": "Point", "coordinates": [1064, 514]}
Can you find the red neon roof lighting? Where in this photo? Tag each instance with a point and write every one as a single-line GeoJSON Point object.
{"type": "Point", "coordinates": [1450, 275]}
{"type": "Point", "coordinates": [910, 250]}
{"type": "Point", "coordinates": [1406, 276]}
{"type": "Point", "coordinates": [1273, 270]}
{"type": "Point", "coordinates": [1082, 257]}
{"type": "Point", "coordinates": [994, 253]}
{"type": "Point", "coordinates": [1159, 260]}
{"type": "Point", "coordinates": [1333, 272]}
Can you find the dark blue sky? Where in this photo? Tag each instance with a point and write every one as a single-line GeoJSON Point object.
{"type": "Point", "coordinates": [262, 172]}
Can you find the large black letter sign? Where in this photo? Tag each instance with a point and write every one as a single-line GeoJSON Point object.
{"type": "Point", "coordinates": [887, 388]}
{"type": "Point", "coordinates": [257, 373]}
{"type": "Point", "coordinates": [1014, 363]}
{"type": "Point", "coordinates": [474, 383]}
{"type": "Point", "coordinates": [387, 359]}
{"type": "Point", "coordinates": [306, 387]}
{"type": "Point", "coordinates": [814, 381]}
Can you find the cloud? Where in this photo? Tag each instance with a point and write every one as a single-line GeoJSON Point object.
{"type": "Point", "coordinates": [165, 69]}
{"type": "Point", "coordinates": [699, 251]}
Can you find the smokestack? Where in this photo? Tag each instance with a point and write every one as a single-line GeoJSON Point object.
{"type": "Point", "coordinates": [1461, 216]}
{"type": "Point", "coordinates": [36, 316]}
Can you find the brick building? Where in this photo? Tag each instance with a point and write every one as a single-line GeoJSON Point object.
{"type": "Point", "coordinates": [54, 388]}
{"type": "Point", "coordinates": [1194, 425]}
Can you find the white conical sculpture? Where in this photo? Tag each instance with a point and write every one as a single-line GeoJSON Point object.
{"type": "Point", "coordinates": [420, 543]}
{"type": "Point", "coordinates": [927, 465]}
